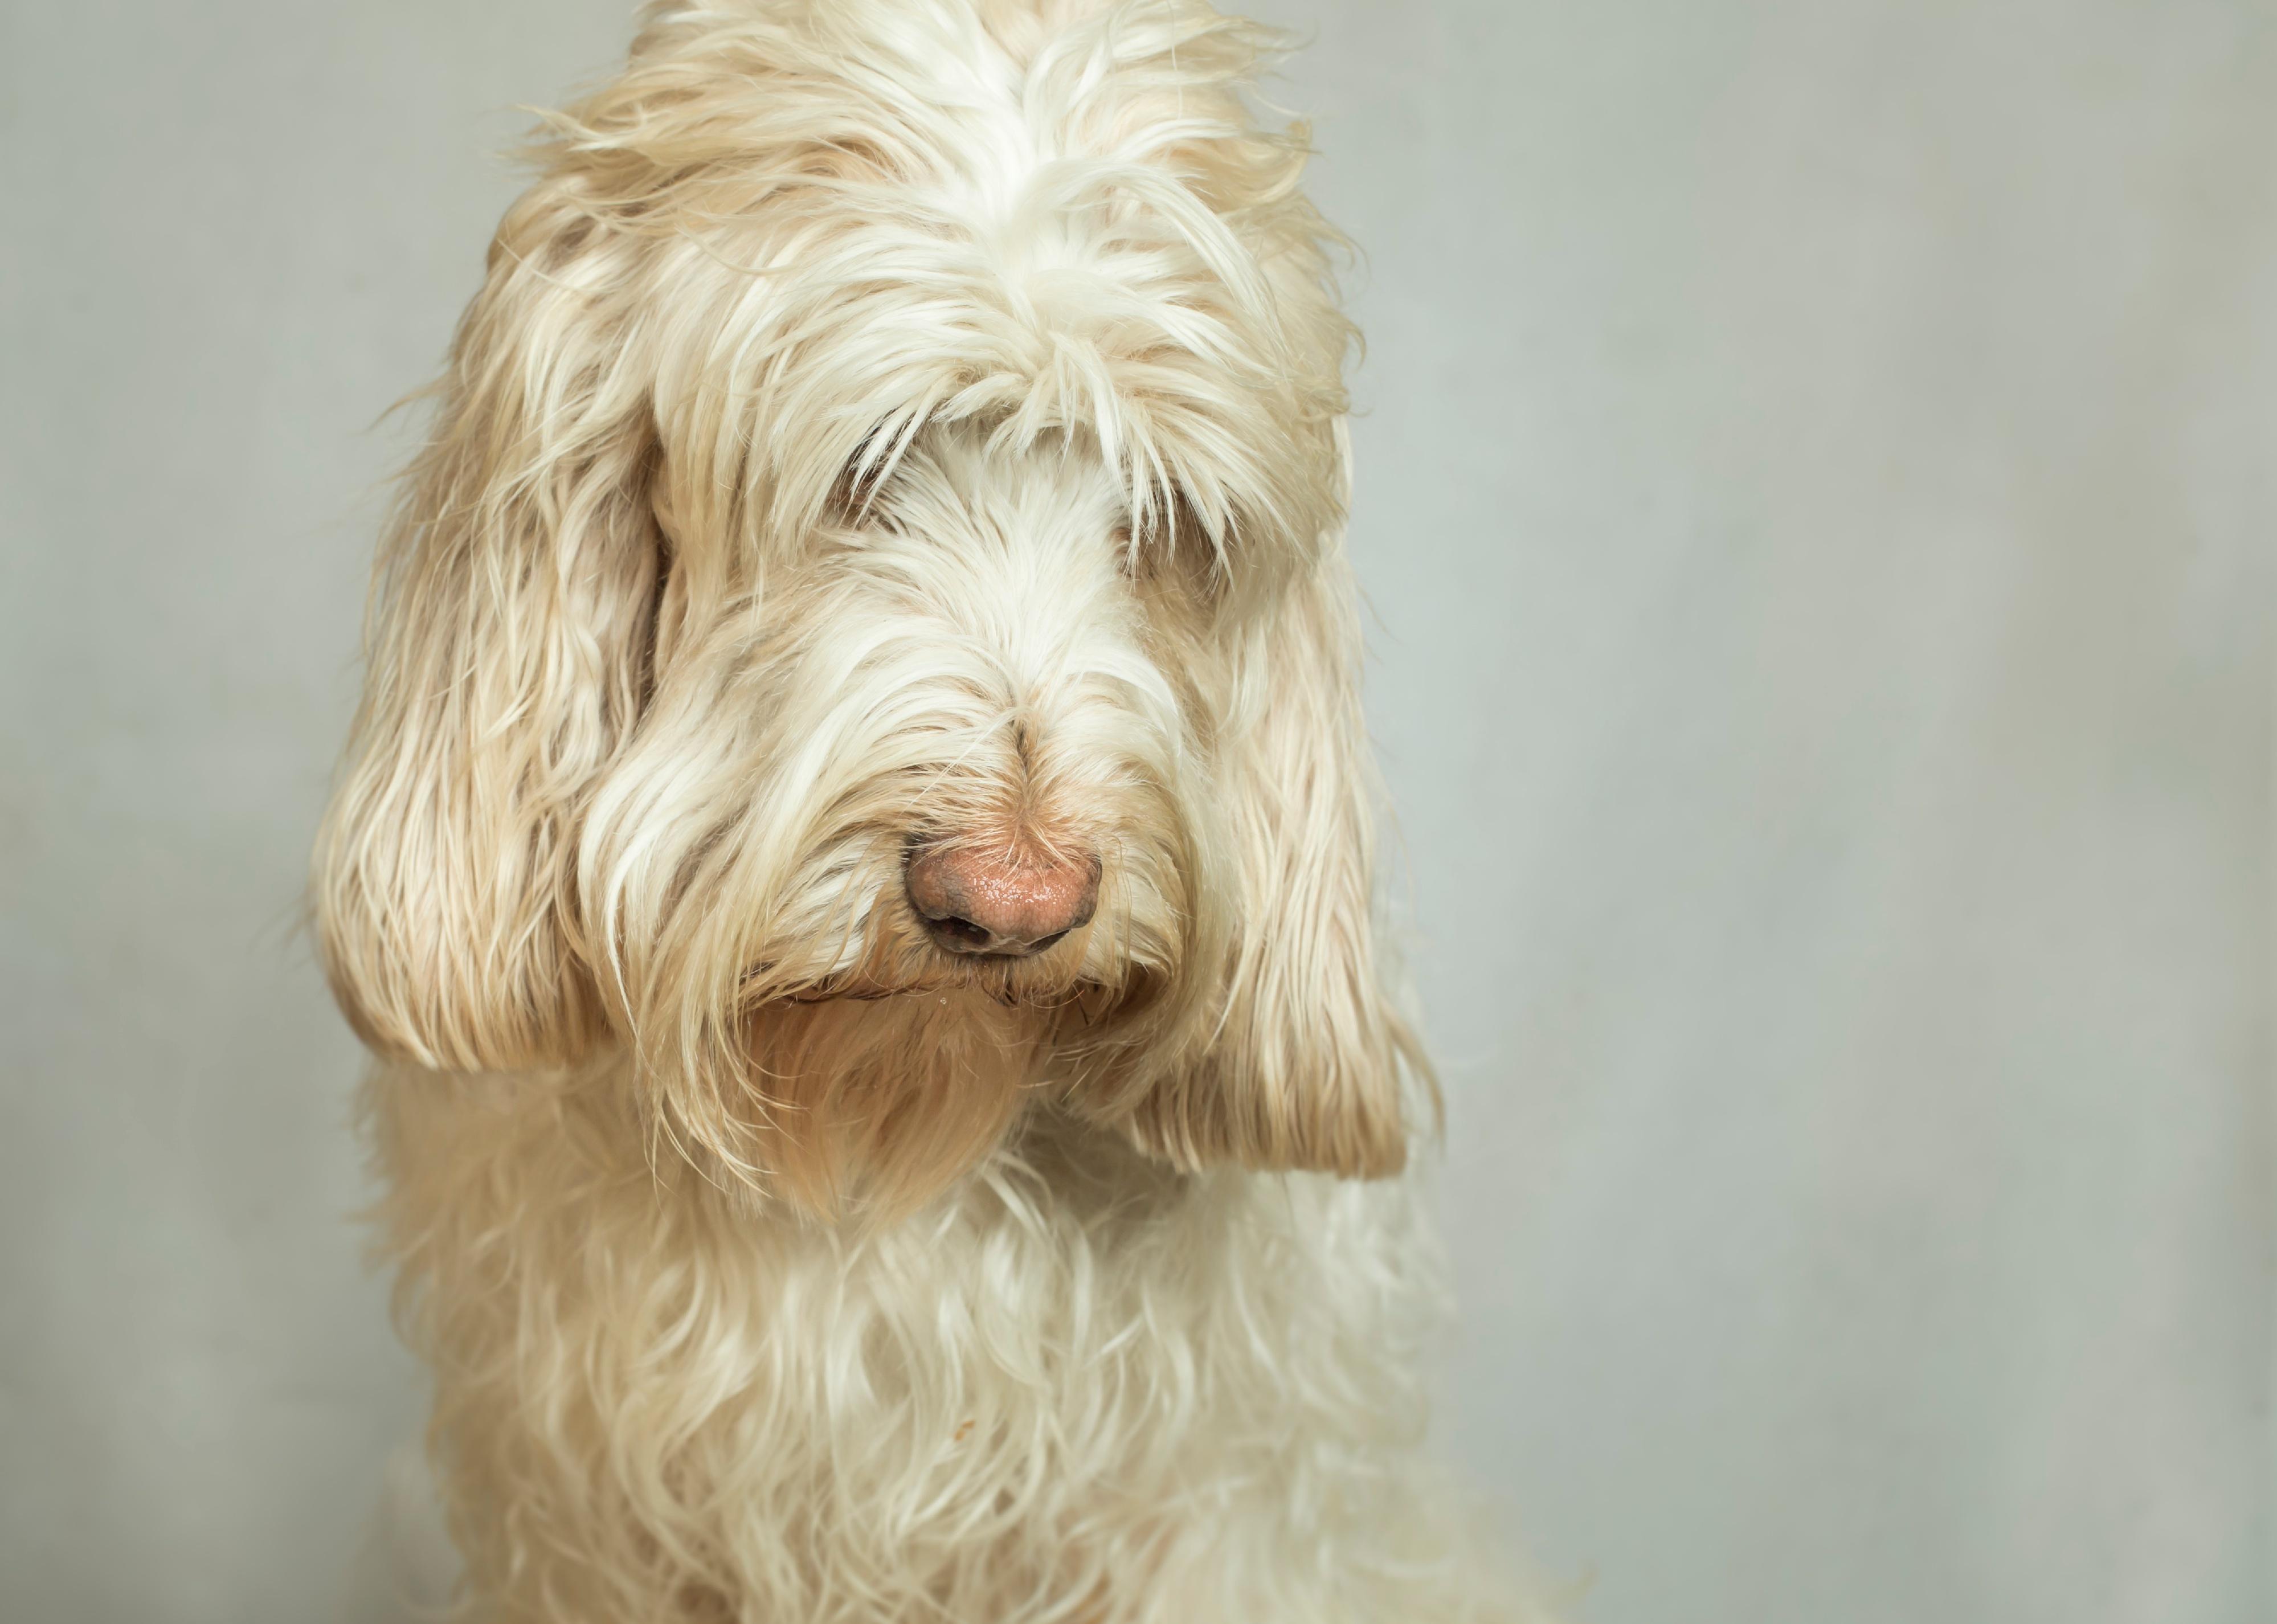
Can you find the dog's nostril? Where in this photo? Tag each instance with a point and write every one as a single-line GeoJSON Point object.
{"type": "Point", "coordinates": [963, 931]}
{"type": "Point", "coordinates": [1010, 901]}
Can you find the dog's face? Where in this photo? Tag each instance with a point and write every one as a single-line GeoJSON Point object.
{"type": "Point", "coordinates": [868, 639]}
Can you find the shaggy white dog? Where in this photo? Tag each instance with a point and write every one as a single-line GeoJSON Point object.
{"type": "Point", "coordinates": [855, 854]}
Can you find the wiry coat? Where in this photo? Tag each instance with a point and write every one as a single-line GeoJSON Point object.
{"type": "Point", "coordinates": [887, 425]}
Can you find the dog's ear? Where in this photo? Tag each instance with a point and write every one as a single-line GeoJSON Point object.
{"type": "Point", "coordinates": [1301, 1058]}
{"type": "Point", "coordinates": [507, 651]}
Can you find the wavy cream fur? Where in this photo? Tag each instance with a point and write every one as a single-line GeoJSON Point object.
{"type": "Point", "coordinates": [884, 423]}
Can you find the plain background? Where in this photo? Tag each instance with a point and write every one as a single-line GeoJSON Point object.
{"type": "Point", "coordinates": [1816, 493]}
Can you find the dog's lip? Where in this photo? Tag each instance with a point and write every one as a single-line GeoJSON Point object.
{"type": "Point", "coordinates": [1058, 994]}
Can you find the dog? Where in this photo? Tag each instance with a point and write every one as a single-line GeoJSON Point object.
{"type": "Point", "coordinates": [855, 856]}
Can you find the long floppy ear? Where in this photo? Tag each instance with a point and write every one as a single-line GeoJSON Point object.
{"type": "Point", "coordinates": [1301, 1059]}
{"type": "Point", "coordinates": [507, 652]}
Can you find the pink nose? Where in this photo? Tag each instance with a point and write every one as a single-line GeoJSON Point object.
{"type": "Point", "coordinates": [1006, 902]}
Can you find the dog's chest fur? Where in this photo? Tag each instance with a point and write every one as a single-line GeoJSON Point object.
{"type": "Point", "coordinates": [1080, 1386]}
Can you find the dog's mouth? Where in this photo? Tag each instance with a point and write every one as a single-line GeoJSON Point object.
{"type": "Point", "coordinates": [1064, 1001]}
{"type": "Point", "coordinates": [1011, 983]}
{"type": "Point", "coordinates": [1052, 977]}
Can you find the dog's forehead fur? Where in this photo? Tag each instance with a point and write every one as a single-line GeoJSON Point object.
{"type": "Point", "coordinates": [812, 229]}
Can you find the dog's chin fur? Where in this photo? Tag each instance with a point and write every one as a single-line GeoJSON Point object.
{"type": "Point", "coordinates": [869, 1106]}
{"type": "Point", "coordinates": [894, 430]}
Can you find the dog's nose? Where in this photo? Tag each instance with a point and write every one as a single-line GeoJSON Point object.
{"type": "Point", "coordinates": [1008, 903]}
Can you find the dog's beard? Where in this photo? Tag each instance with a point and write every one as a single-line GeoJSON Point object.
{"type": "Point", "coordinates": [872, 1082]}
{"type": "Point", "coordinates": [868, 1105]}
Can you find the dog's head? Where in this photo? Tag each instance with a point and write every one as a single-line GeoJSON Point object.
{"type": "Point", "coordinates": [869, 635]}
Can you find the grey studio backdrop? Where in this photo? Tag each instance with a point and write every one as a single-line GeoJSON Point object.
{"type": "Point", "coordinates": [1815, 493]}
